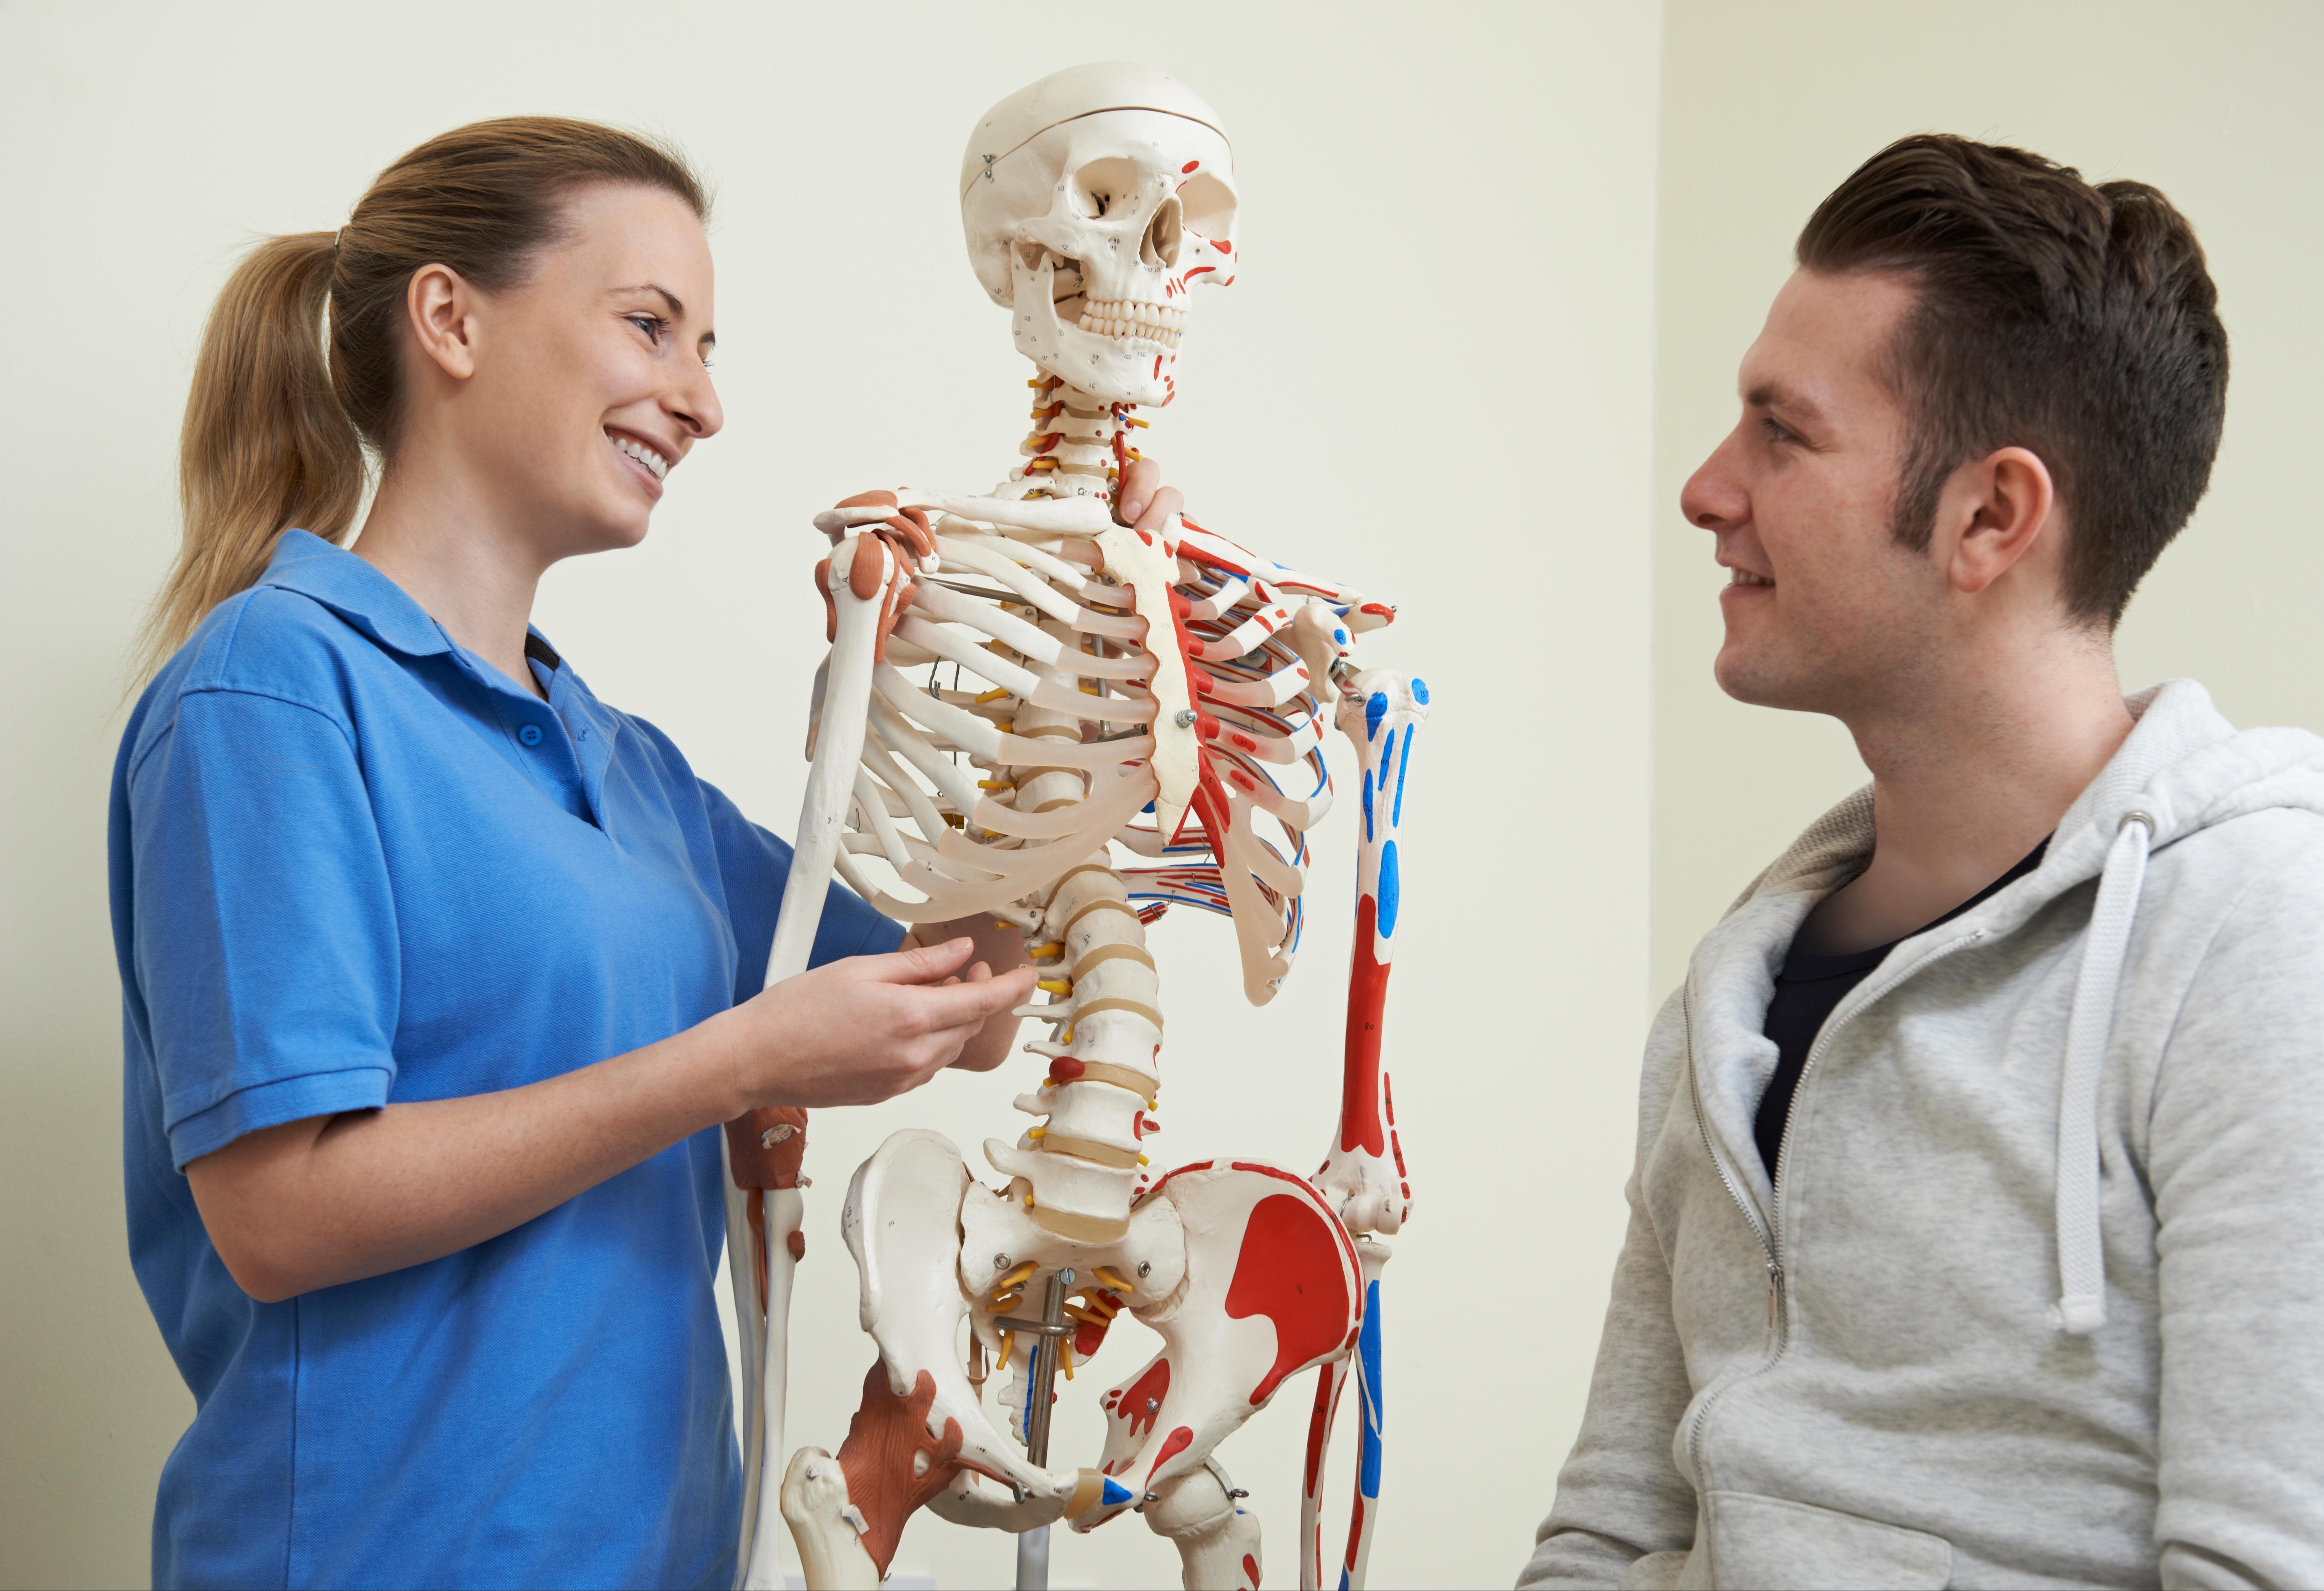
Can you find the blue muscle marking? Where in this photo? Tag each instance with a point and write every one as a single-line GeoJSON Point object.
{"type": "Point", "coordinates": [1395, 814]}
{"type": "Point", "coordinates": [1368, 1384]}
{"type": "Point", "coordinates": [1113, 1495]}
{"type": "Point", "coordinates": [1374, 710]}
{"type": "Point", "coordinates": [1389, 889]}
{"type": "Point", "coordinates": [1420, 692]}
{"type": "Point", "coordinates": [1367, 806]}
{"type": "Point", "coordinates": [1340, 636]}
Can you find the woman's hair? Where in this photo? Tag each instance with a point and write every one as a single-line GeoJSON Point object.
{"type": "Point", "coordinates": [300, 367]}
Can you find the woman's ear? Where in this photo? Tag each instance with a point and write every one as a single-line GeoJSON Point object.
{"type": "Point", "coordinates": [441, 308]}
{"type": "Point", "coordinates": [2002, 505]}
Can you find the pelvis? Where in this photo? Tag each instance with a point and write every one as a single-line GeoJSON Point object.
{"type": "Point", "coordinates": [1240, 1267]}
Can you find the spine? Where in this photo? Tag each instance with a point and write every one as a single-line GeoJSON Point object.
{"type": "Point", "coordinates": [1081, 1166]}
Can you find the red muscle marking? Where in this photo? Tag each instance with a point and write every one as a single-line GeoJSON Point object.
{"type": "Point", "coordinates": [1223, 245]}
{"type": "Point", "coordinates": [1289, 1271]}
{"type": "Point", "coordinates": [1245, 741]}
{"type": "Point", "coordinates": [1359, 1093]}
{"type": "Point", "coordinates": [1319, 1426]}
{"type": "Point", "coordinates": [1140, 1127]}
{"type": "Point", "coordinates": [1355, 1531]}
{"type": "Point", "coordinates": [1198, 269]}
{"type": "Point", "coordinates": [1250, 1569]}
{"type": "Point", "coordinates": [1331, 1220]}
{"type": "Point", "coordinates": [1387, 1093]}
{"type": "Point", "coordinates": [1157, 364]}
{"type": "Point", "coordinates": [1154, 1386]}
{"type": "Point", "coordinates": [1065, 1069]}
{"type": "Point", "coordinates": [1189, 166]}
{"type": "Point", "coordinates": [1177, 1442]}
{"type": "Point", "coordinates": [1380, 607]}
{"type": "Point", "coordinates": [796, 1243]}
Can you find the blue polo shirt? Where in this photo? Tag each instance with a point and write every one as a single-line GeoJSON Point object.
{"type": "Point", "coordinates": [352, 863]}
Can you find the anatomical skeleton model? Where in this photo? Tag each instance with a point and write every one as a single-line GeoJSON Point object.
{"type": "Point", "coordinates": [1106, 686]}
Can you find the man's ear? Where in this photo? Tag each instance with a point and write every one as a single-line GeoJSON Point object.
{"type": "Point", "coordinates": [441, 307]}
{"type": "Point", "coordinates": [1994, 512]}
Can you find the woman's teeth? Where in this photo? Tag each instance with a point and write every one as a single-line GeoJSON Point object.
{"type": "Point", "coordinates": [653, 461]}
{"type": "Point", "coordinates": [1129, 319]}
{"type": "Point", "coordinates": [1745, 577]}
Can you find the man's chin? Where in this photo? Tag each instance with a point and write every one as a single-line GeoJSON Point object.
{"type": "Point", "coordinates": [1760, 682]}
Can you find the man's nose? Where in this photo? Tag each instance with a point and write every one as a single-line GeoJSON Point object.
{"type": "Point", "coordinates": [1713, 496]}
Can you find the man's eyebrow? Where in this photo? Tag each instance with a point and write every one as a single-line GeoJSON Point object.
{"type": "Point", "coordinates": [1776, 395]}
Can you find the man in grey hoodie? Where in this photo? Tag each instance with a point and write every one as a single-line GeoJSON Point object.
{"type": "Point", "coordinates": [1976, 1233]}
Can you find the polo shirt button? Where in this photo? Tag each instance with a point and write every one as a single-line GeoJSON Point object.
{"type": "Point", "coordinates": [529, 734]}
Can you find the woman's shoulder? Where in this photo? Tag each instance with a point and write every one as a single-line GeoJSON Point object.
{"type": "Point", "coordinates": [265, 642]}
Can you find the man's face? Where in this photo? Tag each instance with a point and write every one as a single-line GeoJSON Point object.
{"type": "Point", "coordinates": [1824, 611]}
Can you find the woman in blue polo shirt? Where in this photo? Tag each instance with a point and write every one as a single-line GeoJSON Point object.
{"type": "Point", "coordinates": [438, 974]}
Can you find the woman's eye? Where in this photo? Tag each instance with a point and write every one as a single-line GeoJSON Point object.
{"type": "Point", "coordinates": [653, 325]}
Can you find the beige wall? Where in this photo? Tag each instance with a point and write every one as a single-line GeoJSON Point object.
{"type": "Point", "coordinates": [1420, 196]}
{"type": "Point", "coordinates": [1765, 108]}
{"type": "Point", "coordinates": [1336, 400]}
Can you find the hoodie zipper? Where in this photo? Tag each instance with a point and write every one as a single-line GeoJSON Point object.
{"type": "Point", "coordinates": [1770, 1235]}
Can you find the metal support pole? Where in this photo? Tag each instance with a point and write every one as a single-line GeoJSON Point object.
{"type": "Point", "coordinates": [1047, 1332]}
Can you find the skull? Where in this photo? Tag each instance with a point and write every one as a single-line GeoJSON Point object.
{"type": "Point", "coordinates": [1092, 201]}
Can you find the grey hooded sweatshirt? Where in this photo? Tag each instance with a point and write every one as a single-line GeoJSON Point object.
{"type": "Point", "coordinates": [2041, 1299]}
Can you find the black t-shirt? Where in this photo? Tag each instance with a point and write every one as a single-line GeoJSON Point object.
{"type": "Point", "coordinates": [1807, 990]}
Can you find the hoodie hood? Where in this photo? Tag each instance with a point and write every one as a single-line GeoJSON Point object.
{"type": "Point", "coordinates": [2182, 768]}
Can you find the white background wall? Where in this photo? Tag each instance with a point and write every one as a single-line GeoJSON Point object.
{"type": "Point", "coordinates": [1765, 108]}
{"type": "Point", "coordinates": [1431, 379]}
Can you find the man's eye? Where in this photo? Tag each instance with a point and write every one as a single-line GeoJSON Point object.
{"type": "Point", "coordinates": [1775, 430]}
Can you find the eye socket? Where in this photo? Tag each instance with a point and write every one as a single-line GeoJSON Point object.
{"type": "Point", "coordinates": [1104, 188]}
{"type": "Point", "coordinates": [1209, 205]}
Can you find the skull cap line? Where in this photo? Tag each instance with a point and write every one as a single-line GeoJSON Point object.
{"type": "Point", "coordinates": [1068, 96]}
{"type": "Point", "coordinates": [978, 165]}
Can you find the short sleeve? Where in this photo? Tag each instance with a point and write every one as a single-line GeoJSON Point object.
{"type": "Point", "coordinates": [265, 942]}
{"type": "Point", "coordinates": [754, 865]}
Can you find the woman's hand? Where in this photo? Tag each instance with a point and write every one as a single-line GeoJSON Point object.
{"type": "Point", "coordinates": [868, 1028]}
{"type": "Point", "coordinates": [1143, 503]}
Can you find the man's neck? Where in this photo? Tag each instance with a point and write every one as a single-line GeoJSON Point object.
{"type": "Point", "coordinates": [436, 537]}
{"type": "Point", "coordinates": [1968, 780]}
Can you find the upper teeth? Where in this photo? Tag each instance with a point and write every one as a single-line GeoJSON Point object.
{"type": "Point", "coordinates": [644, 455]}
{"type": "Point", "coordinates": [1133, 317]}
{"type": "Point", "coordinates": [1745, 577]}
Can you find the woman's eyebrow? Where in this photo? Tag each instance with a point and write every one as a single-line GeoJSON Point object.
{"type": "Point", "coordinates": [677, 304]}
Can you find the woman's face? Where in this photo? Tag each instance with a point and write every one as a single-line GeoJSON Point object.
{"type": "Point", "coordinates": [590, 383]}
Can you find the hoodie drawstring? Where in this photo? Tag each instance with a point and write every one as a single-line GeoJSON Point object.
{"type": "Point", "coordinates": [2082, 1260]}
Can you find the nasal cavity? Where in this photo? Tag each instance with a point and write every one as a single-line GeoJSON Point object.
{"type": "Point", "coordinates": [1159, 247]}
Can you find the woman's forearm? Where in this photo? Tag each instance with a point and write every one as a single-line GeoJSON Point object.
{"type": "Point", "coordinates": [335, 1199]}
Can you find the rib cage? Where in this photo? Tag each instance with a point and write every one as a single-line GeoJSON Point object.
{"type": "Point", "coordinates": [1004, 620]}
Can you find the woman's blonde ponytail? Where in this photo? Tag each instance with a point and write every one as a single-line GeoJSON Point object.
{"type": "Point", "coordinates": [276, 429]}
{"type": "Point", "coordinates": [265, 443]}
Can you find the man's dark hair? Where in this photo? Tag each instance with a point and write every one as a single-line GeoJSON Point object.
{"type": "Point", "coordinates": [2076, 322]}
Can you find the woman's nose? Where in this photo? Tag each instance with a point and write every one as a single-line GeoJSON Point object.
{"type": "Point", "coordinates": [695, 406]}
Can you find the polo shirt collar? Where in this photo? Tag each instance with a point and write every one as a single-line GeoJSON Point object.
{"type": "Point", "coordinates": [305, 562]}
